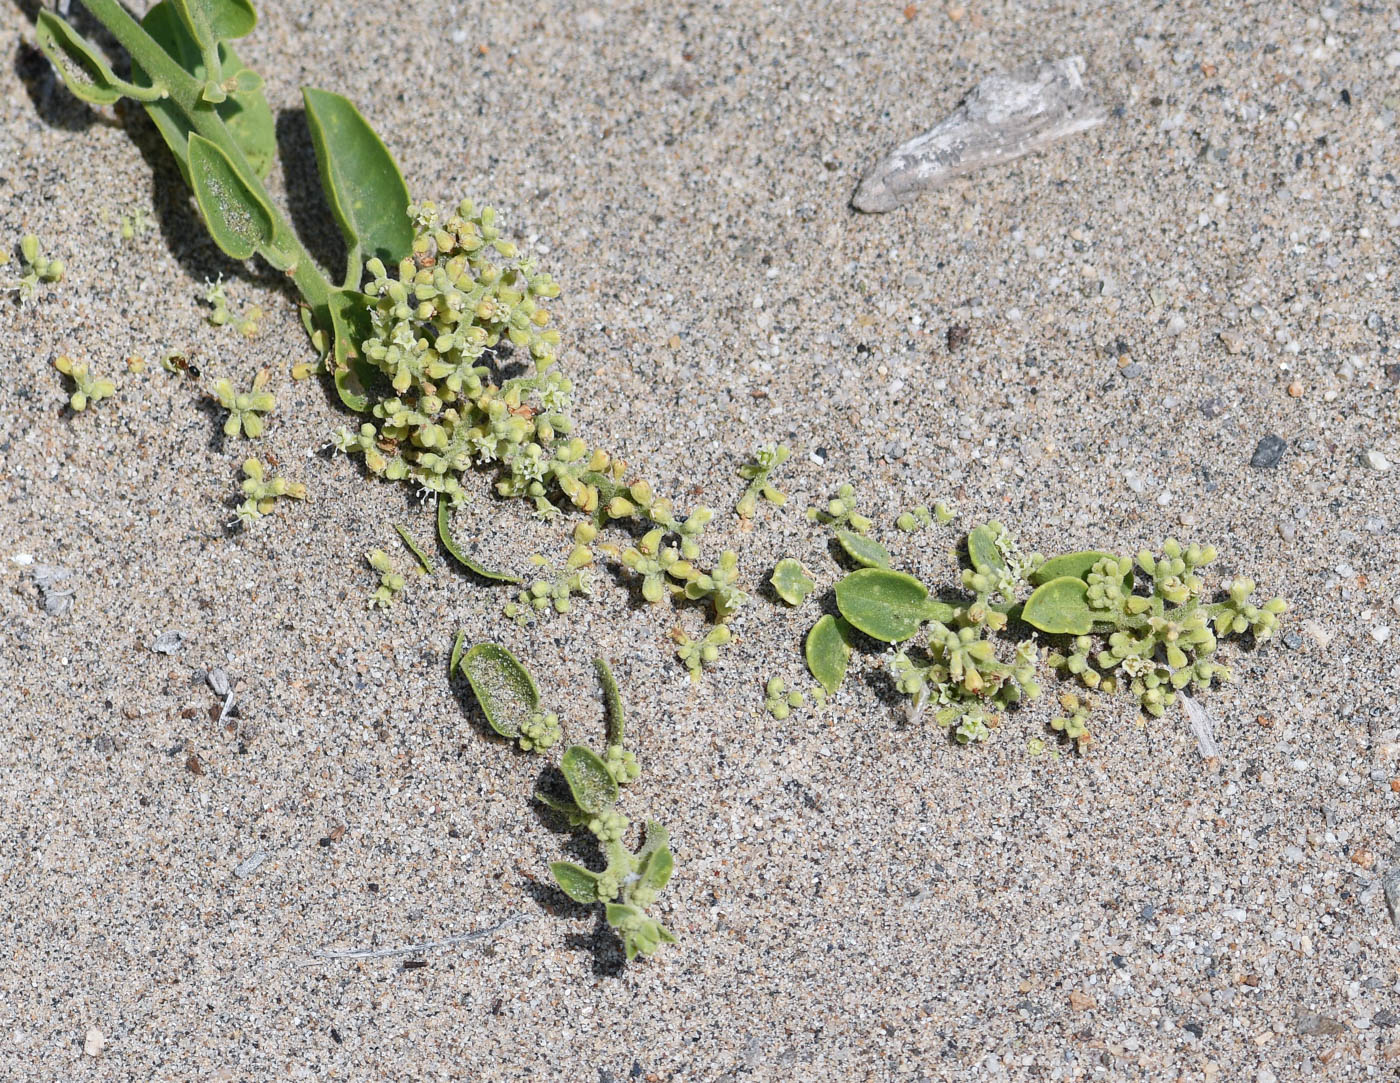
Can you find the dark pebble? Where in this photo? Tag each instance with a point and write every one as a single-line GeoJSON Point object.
{"type": "Point", "coordinates": [1212, 408]}
{"type": "Point", "coordinates": [1385, 1018]}
{"type": "Point", "coordinates": [1195, 1028]}
{"type": "Point", "coordinates": [1148, 912]}
{"type": "Point", "coordinates": [1392, 373]}
{"type": "Point", "coordinates": [1268, 452]}
{"type": "Point", "coordinates": [957, 336]}
{"type": "Point", "coordinates": [1292, 640]}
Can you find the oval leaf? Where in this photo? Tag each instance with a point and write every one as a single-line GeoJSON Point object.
{"type": "Point", "coordinates": [503, 687]}
{"type": "Point", "coordinates": [656, 867]}
{"type": "Point", "coordinates": [245, 111]}
{"type": "Point", "coordinates": [444, 523]}
{"type": "Point", "coordinates": [982, 551]}
{"type": "Point", "coordinates": [238, 220]}
{"type": "Point", "coordinates": [1075, 564]}
{"type": "Point", "coordinates": [864, 551]}
{"type": "Point", "coordinates": [210, 21]}
{"type": "Point", "coordinates": [791, 583]}
{"type": "Point", "coordinates": [885, 605]}
{"type": "Point", "coordinates": [1060, 606]}
{"type": "Point", "coordinates": [829, 652]}
{"type": "Point", "coordinates": [363, 185]}
{"type": "Point", "coordinates": [85, 73]}
{"type": "Point", "coordinates": [594, 789]}
{"type": "Point", "coordinates": [575, 881]}
{"type": "Point", "coordinates": [352, 373]}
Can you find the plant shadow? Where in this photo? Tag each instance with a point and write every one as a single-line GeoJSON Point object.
{"type": "Point", "coordinates": [54, 104]}
{"type": "Point", "coordinates": [306, 201]}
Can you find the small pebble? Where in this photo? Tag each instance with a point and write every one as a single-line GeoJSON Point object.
{"type": "Point", "coordinates": [1312, 1025]}
{"type": "Point", "coordinates": [1292, 640]}
{"type": "Point", "coordinates": [1376, 461]}
{"type": "Point", "coordinates": [1212, 408]}
{"type": "Point", "coordinates": [168, 642]}
{"type": "Point", "coordinates": [1233, 340]}
{"type": "Point", "coordinates": [1268, 452]}
{"type": "Point", "coordinates": [1295, 390]}
{"type": "Point", "coordinates": [93, 1042]}
{"type": "Point", "coordinates": [1133, 371]}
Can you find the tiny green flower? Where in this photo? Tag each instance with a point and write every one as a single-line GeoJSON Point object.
{"type": "Point", "coordinates": [778, 701]}
{"type": "Point", "coordinates": [766, 459]}
{"type": "Point", "coordinates": [391, 583]}
{"type": "Point", "coordinates": [841, 511]}
{"type": "Point", "coordinates": [262, 493]}
{"type": "Point", "coordinates": [88, 388]}
{"type": "Point", "coordinates": [245, 408]}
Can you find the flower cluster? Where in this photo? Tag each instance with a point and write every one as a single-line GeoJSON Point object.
{"type": "Point", "coordinates": [87, 387]}
{"type": "Point", "coordinates": [841, 511]}
{"type": "Point", "coordinates": [246, 407]}
{"type": "Point", "coordinates": [1164, 641]}
{"type": "Point", "coordinates": [262, 492]}
{"type": "Point", "coordinates": [766, 459]}
{"type": "Point", "coordinates": [439, 325]}
{"type": "Point", "coordinates": [35, 267]}
{"type": "Point", "coordinates": [391, 583]}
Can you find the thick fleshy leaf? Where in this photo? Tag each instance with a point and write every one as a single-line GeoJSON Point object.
{"type": "Point", "coordinates": [866, 552]}
{"type": "Point", "coordinates": [245, 111]}
{"type": "Point", "coordinates": [238, 219]}
{"type": "Point", "coordinates": [592, 786]}
{"type": "Point", "coordinates": [363, 185]}
{"type": "Point", "coordinates": [1077, 565]}
{"type": "Point", "coordinates": [351, 371]}
{"type": "Point", "coordinates": [1060, 606]}
{"type": "Point", "coordinates": [575, 881]}
{"type": "Point", "coordinates": [791, 583]}
{"type": "Point", "coordinates": [210, 21]}
{"type": "Point", "coordinates": [982, 551]}
{"type": "Point", "coordinates": [504, 688]}
{"type": "Point", "coordinates": [444, 524]}
{"type": "Point", "coordinates": [656, 862]}
{"type": "Point", "coordinates": [84, 70]}
{"type": "Point", "coordinates": [828, 651]}
{"type": "Point", "coordinates": [887, 605]}
{"type": "Point", "coordinates": [612, 702]}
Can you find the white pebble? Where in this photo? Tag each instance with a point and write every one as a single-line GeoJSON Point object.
{"type": "Point", "coordinates": [1376, 461]}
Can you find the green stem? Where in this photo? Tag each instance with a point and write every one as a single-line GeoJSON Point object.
{"type": "Point", "coordinates": [187, 93]}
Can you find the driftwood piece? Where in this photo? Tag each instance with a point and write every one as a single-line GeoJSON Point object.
{"type": "Point", "coordinates": [1003, 117]}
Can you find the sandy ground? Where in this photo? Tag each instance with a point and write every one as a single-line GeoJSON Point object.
{"type": "Point", "coordinates": [855, 898]}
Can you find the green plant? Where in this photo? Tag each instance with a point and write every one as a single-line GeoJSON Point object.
{"type": "Point", "coordinates": [1158, 642]}
{"type": "Point", "coordinates": [920, 517]}
{"type": "Point", "coordinates": [217, 300]}
{"type": "Point", "coordinates": [262, 492]}
{"type": "Point", "coordinates": [87, 387]}
{"type": "Point", "coordinates": [841, 511]}
{"type": "Point", "coordinates": [790, 582]}
{"type": "Point", "coordinates": [542, 595]}
{"type": "Point", "coordinates": [391, 583]}
{"type": "Point", "coordinates": [34, 268]}
{"type": "Point", "coordinates": [766, 459]}
{"type": "Point", "coordinates": [414, 548]}
{"type": "Point", "coordinates": [778, 701]}
{"type": "Point", "coordinates": [246, 408]}
{"type": "Point", "coordinates": [428, 304]}
{"type": "Point", "coordinates": [631, 880]}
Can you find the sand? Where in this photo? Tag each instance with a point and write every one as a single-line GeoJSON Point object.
{"type": "Point", "coordinates": [856, 898]}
